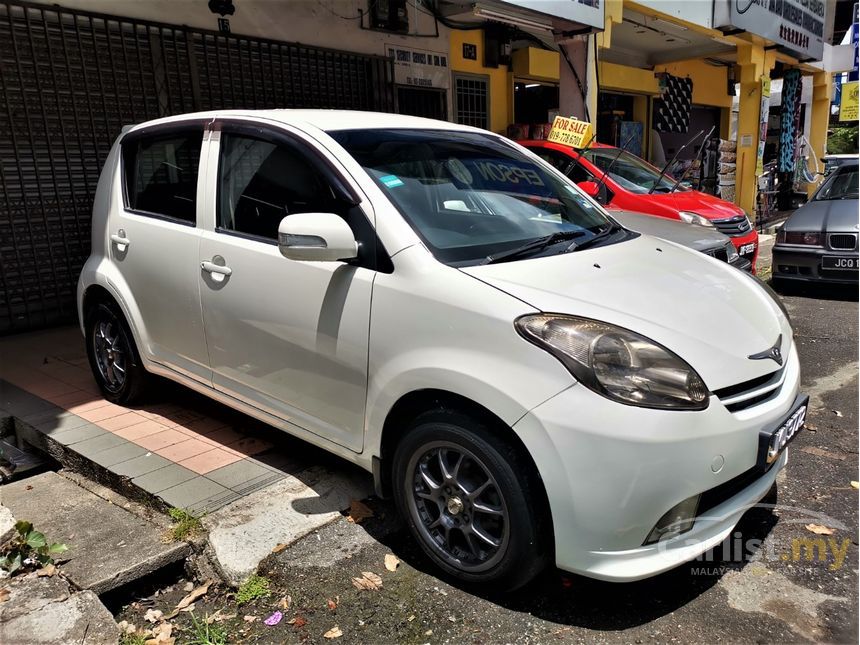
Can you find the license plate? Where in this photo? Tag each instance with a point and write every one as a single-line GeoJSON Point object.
{"type": "Point", "coordinates": [747, 249]}
{"type": "Point", "coordinates": [774, 440]}
{"type": "Point", "coordinates": [834, 262]}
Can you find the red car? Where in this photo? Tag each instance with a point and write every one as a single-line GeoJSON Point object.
{"type": "Point", "coordinates": [627, 186]}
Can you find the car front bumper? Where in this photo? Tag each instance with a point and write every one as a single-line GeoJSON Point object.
{"type": "Point", "coordinates": [799, 263]}
{"type": "Point", "coordinates": [611, 471]}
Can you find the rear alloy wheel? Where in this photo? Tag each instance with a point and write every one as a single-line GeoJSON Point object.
{"type": "Point", "coordinates": [470, 501]}
{"type": "Point", "coordinates": [113, 357]}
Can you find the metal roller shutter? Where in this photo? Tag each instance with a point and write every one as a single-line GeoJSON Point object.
{"type": "Point", "coordinates": [70, 80]}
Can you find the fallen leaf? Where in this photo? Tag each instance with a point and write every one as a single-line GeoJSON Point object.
{"type": "Point", "coordinates": [855, 484]}
{"type": "Point", "coordinates": [285, 602]}
{"type": "Point", "coordinates": [162, 635]}
{"type": "Point", "coordinates": [47, 571]}
{"type": "Point", "coordinates": [279, 547]}
{"type": "Point", "coordinates": [250, 619]}
{"type": "Point", "coordinates": [153, 615]}
{"type": "Point", "coordinates": [274, 619]}
{"type": "Point", "coordinates": [194, 595]}
{"type": "Point", "coordinates": [4, 594]}
{"type": "Point", "coordinates": [391, 561]}
{"type": "Point", "coordinates": [189, 608]}
{"type": "Point", "coordinates": [298, 621]}
{"type": "Point", "coordinates": [332, 605]}
{"type": "Point", "coordinates": [837, 413]}
{"type": "Point", "coordinates": [369, 581]}
{"type": "Point", "coordinates": [358, 511]}
{"type": "Point", "coordinates": [219, 617]}
{"type": "Point", "coordinates": [818, 529]}
{"type": "Point", "coordinates": [334, 632]}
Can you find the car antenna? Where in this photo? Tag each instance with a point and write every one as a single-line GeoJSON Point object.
{"type": "Point", "coordinates": [698, 154]}
{"type": "Point", "coordinates": [601, 183]}
{"type": "Point", "coordinates": [672, 160]}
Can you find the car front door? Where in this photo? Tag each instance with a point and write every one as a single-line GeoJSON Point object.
{"type": "Point", "coordinates": [154, 240]}
{"type": "Point", "coordinates": [288, 337]}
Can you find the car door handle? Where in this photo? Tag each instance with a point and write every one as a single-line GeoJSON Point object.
{"type": "Point", "coordinates": [120, 239]}
{"type": "Point", "coordinates": [211, 267]}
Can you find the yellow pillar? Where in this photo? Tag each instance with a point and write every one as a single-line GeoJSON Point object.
{"type": "Point", "coordinates": [754, 62]}
{"type": "Point", "coordinates": [822, 90]}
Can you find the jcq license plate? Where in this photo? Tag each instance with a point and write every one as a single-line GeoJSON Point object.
{"type": "Point", "coordinates": [773, 441]}
{"type": "Point", "coordinates": [833, 262]}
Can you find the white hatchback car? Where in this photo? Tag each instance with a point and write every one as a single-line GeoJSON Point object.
{"type": "Point", "coordinates": [528, 379]}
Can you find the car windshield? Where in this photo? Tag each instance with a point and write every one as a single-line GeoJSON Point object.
{"type": "Point", "coordinates": [842, 184]}
{"type": "Point", "coordinates": [473, 197]}
{"type": "Point", "coordinates": [629, 171]}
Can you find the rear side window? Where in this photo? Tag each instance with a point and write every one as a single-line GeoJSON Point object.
{"type": "Point", "coordinates": [161, 174]}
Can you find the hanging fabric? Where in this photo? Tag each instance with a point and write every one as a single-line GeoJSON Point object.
{"type": "Point", "coordinates": [672, 109]}
{"type": "Point", "coordinates": [789, 120]}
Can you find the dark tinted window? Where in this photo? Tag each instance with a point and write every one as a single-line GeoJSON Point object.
{"type": "Point", "coordinates": [161, 174]}
{"type": "Point", "coordinates": [261, 182]}
{"type": "Point", "coordinates": [565, 163]}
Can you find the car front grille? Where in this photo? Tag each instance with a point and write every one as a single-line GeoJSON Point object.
{"type": "Point", "coordinates": [734, 226]}
{"type": "Point", "coordinates": [749, 393]}
{"type": "Point", "coordinates": [721, 254]}
{"type": "Point", "coordinates": [842, 241]}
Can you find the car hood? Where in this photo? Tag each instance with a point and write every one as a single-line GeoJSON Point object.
{"type": "Point", "coordinates": [708, 313]}
{"type": "Point", "coordinates": [699, 238]}
{"type": "Point", "coordinates": [696, 202]}
{"type": "Point", "coordinates": [833, 216]}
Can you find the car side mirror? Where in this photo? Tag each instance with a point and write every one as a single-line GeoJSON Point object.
{"type": "Point", "coordinates": [590, 188]}
{"type": "Point", "coordinates": [316, 237]}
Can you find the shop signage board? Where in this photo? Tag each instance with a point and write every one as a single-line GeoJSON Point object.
{"type": "Point", "coordinates": [419, 67]}
{"type": "Point", "coordinates": [569, 132]}
{"type": "Point", "coordinates": [849, 102]}
{"type": "Point", "coordinates": [796, 25]}
{"type": "Point", "coordinates": [586, 12]}
{"type": "Point", "coordinates": [762, 120]}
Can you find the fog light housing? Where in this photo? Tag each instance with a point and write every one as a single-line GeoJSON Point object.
{"type": "Point", "coordinates": [677, 520]}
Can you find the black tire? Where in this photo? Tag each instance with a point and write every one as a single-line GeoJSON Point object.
{"type": "Point", "coordinates": [524, 544]}
{"type": "Point", "coordinates": [106, 317]}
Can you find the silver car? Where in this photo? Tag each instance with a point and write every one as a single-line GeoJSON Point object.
{"type": "Point", "coordinates": [819, 241]}
{"type": "Point", "coordinates": [704, 239]}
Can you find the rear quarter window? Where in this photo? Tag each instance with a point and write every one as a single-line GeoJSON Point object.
{"type": "Point", "coordinates": [160, 173]}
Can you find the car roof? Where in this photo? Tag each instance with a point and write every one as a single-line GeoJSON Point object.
{"type": "Point", "coordinates": [327, 120]}
{"type": "Point", "coordinates": [552, 144]}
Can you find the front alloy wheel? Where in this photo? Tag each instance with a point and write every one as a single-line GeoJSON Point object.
{"type": "Point", "coordinates": [457, 506]}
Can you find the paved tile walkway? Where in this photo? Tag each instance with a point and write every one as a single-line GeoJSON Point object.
{"type": "Point", "coordinates": [188, 450]}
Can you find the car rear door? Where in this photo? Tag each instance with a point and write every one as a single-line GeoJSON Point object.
{"type": "Point", "coordinates": [288, 337]}
{"type": "Point", "coordinates": [154, 239]}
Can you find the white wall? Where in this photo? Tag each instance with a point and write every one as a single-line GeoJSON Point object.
{"type": "Point", "coordinates": [325, 23]}
{"type": "Point", "coordinates": [699, 12]}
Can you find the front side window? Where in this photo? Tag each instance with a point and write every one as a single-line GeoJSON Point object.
{"type": "Point", "coordinates": [161, 174]}
{"type": "Point", "coordinates": [260, 182]}
{"type": "Point", "coordinates": [629, 171]}
{"type": "Point", "coordinates": [842, 184]}
{"type": "Point", "coordinates": [471, 196]}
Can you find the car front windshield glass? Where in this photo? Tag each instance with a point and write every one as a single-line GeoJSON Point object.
{"type": "Point", "coordinates": [471, 196]}
{"type": "Point", "coordinates": [629, 171]}
{"type": "Point", "coordinates": [842, 184]}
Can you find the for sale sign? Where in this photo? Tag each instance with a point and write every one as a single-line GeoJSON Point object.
{"type": "Point", "coordinates": [570, 132]}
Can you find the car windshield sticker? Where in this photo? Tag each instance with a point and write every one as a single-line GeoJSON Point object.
{"type": "Point", "coordinates": [391, 181]}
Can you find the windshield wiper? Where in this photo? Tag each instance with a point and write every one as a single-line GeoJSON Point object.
{"type": "Point", "coordinates": [600, 235]}
{"type": "Point", "coordinates": [535, 245]}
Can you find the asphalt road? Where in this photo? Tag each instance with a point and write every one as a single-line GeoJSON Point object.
{"type": "Point", "coordinates": [778, 596]}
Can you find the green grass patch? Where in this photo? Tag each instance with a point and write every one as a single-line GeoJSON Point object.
{"type": "Point", "coordinates": [137, 638]}
{"type": "Point", "coordinates": [205, 634]}
{"type": "Point", "coordinates": [253, 588]}
{"type": "Point", "coordinates": [186, 526]}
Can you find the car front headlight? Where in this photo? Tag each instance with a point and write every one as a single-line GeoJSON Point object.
{"type": "Point", "coordinates": [616, 363]}
{"type": "Point", "coordinates": [731, 252]}
{"type": "Point", "coordinates": [695, 218]}
{"type": "Point", "coordinates": [806, 238]}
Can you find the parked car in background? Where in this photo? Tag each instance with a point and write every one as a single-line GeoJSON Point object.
{"type": "Point", "coordinates": [818, 242]}
{"type": "Point", "coordinates": [704, 239]}
{"type": "Point", "coordinates": [832, 162]}
{"type": "Point", "coordinates": [530, 381]}
{"type": "Point", "coordinates": [628, 186]}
